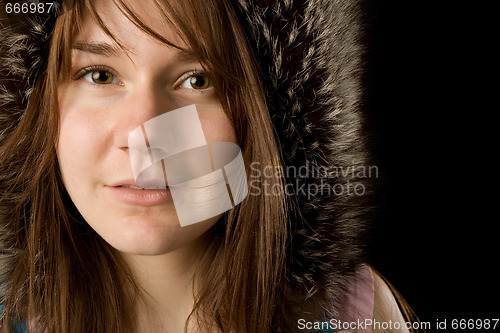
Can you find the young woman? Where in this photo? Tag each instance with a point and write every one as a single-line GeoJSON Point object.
{"type": "Point", "coordinates": [85, 248]}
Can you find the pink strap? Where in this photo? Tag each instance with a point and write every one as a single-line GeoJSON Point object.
{"type": "Point", "coordinates": [357, 304]}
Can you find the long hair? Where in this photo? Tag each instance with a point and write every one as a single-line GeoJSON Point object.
{"type": "Point", "coordinates": [62, 276]}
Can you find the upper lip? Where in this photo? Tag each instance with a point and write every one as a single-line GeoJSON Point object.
{"type": "Point", "coordinates": [132, 182]}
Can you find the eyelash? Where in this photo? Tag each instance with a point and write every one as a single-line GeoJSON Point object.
{"type": "Point", "coordinates": [81, 73]}
{"type": "Point", "coordinates": [178, 83]}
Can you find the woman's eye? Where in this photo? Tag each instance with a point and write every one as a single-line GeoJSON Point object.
{"type": "Point", "coordinates": [100, 77]}
{"type": "Point", "coordinates": [197, 82]}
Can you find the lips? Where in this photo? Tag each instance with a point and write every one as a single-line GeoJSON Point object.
{"type": "Point", "coordinates": [129, 193]}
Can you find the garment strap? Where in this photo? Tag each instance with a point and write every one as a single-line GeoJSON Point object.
{"type": "Point", "coordinates": [357, 304]}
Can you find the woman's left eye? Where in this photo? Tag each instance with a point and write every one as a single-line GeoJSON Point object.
{"type": "Point", "coordinates": [196, 81]}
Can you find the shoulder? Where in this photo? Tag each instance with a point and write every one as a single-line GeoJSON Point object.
{"type": "Point", "coordinates": [369, 298]}
{"type": "Point", "coordinates": [385, 308]}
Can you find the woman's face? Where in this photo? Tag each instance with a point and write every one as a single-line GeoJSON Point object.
{"type": "Point", "coordinates": [110, 93]}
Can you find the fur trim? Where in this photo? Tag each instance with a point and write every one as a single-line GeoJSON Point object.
{"type": "Point", "coordinates": [22, 51]}
{"type": "Point", "coordinates": [310, 56]}
{"type": "Point", "coordinates": [23, 41]}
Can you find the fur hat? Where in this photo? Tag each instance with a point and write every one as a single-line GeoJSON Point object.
{"type": "Point", "coordinates": [310, 55]}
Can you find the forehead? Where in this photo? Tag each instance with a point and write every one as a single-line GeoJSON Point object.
{"type": "Point", "coordinates": [122, 29]}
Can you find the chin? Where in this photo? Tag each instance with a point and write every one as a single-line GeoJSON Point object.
{"type": "Point", "coordinates": [148, 236]}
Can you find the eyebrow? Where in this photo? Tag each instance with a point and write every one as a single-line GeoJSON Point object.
{"type": "Point", "coordinates": [109, 50]}
{"type": "Point", "coordinates": [185, 56]}
{"type": "Point", "coordinates": [96, 48]}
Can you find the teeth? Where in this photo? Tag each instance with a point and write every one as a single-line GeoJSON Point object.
{"type": "Point", "coordinates": [144, 188]}
{"type": "Point", "coordinates": [133, 187]}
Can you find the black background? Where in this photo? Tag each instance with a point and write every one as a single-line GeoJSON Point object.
{"type": "Point", "coordinates": [431, 119]}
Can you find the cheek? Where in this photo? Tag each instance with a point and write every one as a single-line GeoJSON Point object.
{"type": "Point", "coordinates": [218, 128]}
{"type": "Point", "coordinates": [69, 147]}
{"type": "Point", "coordinates": [79, 141]}
{"type": "Point", "coordinates": [74, 139]}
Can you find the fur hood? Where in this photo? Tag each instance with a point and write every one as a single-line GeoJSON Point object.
{"type": "Point", "coordinates": [310, 57]}
{"type": "Point", "coordinates": [310, 54]}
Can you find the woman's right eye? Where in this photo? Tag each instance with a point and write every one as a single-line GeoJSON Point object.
{"type": "Point", "coordinates": [100, 77]}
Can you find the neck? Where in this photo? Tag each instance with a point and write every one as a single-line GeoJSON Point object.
{"type": "Point", "coordinates": [167, 284]}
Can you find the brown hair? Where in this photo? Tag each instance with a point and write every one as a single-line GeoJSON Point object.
{"type": "Point", "coordinates": [66, 278]}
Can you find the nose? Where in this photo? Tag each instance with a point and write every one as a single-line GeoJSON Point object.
{"type": "Point", "coordinates": [141, 105]}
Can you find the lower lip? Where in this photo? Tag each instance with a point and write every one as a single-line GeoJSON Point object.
{"type": "Point", "coordinates": [141, 197]}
